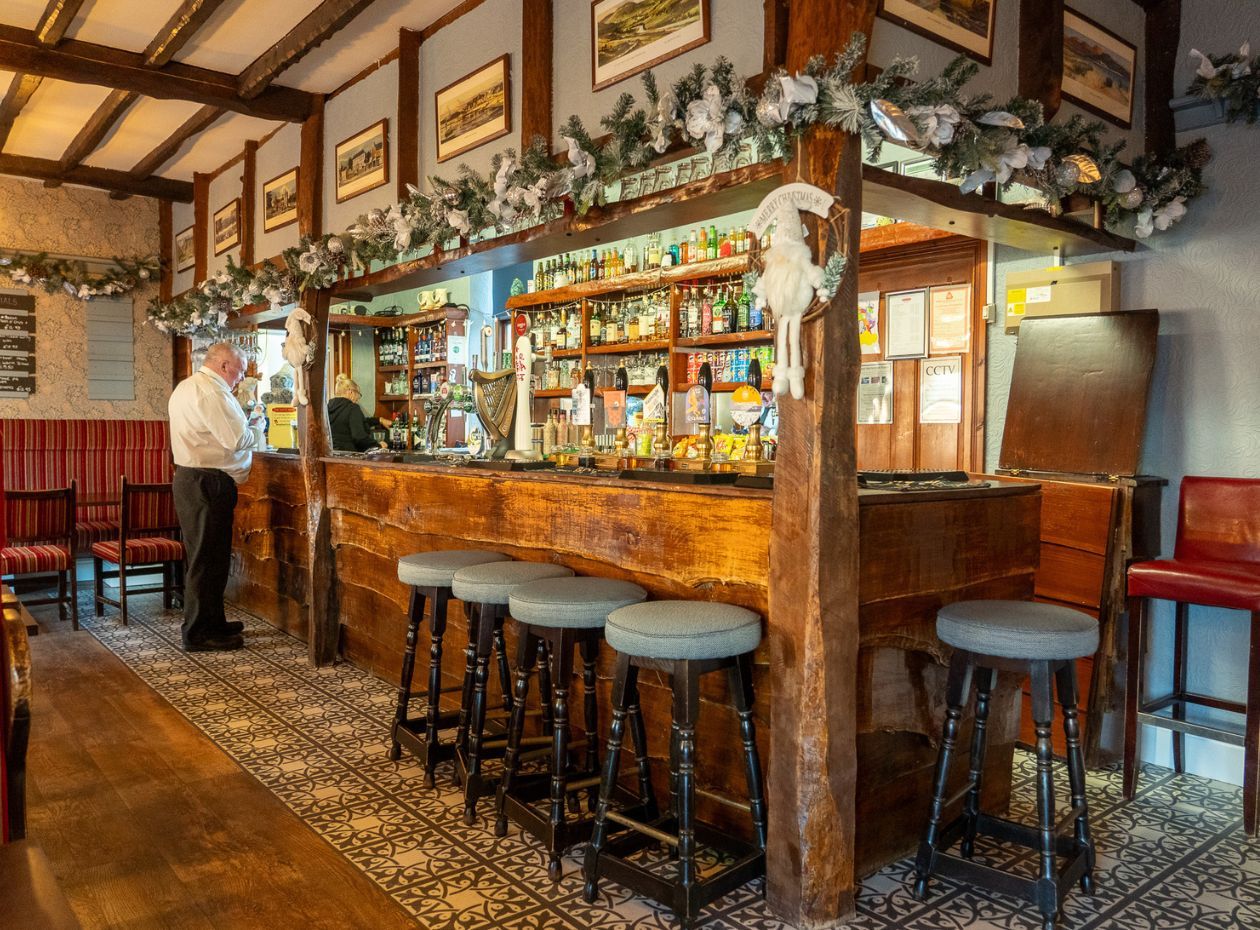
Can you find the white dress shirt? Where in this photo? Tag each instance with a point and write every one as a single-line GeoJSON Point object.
{"type": "Point", "coordinates": [208, 428]}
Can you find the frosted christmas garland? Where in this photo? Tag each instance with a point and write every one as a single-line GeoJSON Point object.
{"type": "Point", "coordinates": [53, 275]}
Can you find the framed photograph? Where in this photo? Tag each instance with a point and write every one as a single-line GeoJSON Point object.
{"type": "Point", "coordinates": [473, 110]}
{"type": "Point", "coordinates": [964, 25]}
{"type": "Point", "coordinates": [363, 161]}
{"type": "Point", "coordinates": [280, 196]}
{"type": "Point", "coordinates": [227, 227]}
{"type": "Point", "coordinates": [629, 36]}
{"type": "Point", "coordinates": [1098, 68]}
{"type": "Point", "coordinates": [185, 249]}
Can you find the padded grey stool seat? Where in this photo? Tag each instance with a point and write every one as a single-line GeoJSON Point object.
{"type": "Point", "coordinates": [429, 575]}
{"type": "Point", "coordinates": [1044, 640]}
{"type": "Point", "coordinates": [486, 589]}
{"type": "Point", "coordinates": [685, 640]}
{"type": "Point", "coordinates": [555, 617]}
{"type": "Point", "coordinates": [683, 630]}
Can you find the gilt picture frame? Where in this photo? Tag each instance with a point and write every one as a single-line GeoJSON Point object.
{"type": "Point", "coordinates": [1099, 69]}
{"type": "Point", "coordinates": [473, 110]}
{"type": "Point", "coordinates": [361, 162]}
{"type": "Point", "coordinates": [185, 250]}
{"type": "Point", "coordinates": [964, 25]}
{"type": "Point", "coordinates": [631, 36]}
{"type": "Point", "coordinates": [279, 201]}
{"type": "Point", "coordinates": [226, 226]}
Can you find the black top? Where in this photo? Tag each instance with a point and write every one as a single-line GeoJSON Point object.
{"type": "Point", "coordinates": [348, 426]}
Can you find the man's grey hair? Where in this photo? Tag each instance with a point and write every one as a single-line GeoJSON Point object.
{"type": "Point", "coordinates": [221, 351]}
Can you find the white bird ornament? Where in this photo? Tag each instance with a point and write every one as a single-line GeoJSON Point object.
{"type": "Point", "coordinates": [298, 352]}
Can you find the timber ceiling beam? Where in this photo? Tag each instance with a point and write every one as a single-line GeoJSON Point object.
{"type": "Point", "coordinates": [88, 63]}
{"type": "Point", "coordinates": [97, 128]}
{"type": "Point", "coordinates": [50, 30]}
{"type": "Point", "coordinates": [47, 169]}
{"type": "Point", "coordinates": [327, 19]}
{"type": "Point", "coordinates": [184, 22]}
{"type": "Point", "coordinates": [199, 121]}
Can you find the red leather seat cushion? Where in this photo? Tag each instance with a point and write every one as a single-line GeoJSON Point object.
{"type": "Point", "coordinates": [145, 550]}
{"type": "Point", "coordinates": [1234, 585]}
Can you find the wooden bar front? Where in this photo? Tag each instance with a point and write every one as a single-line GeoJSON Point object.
{"type": "Point", "coordinates": [917, 552]}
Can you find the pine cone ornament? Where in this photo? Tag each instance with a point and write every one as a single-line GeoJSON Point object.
{"type": "Point", "coordinates": [1198, 153]}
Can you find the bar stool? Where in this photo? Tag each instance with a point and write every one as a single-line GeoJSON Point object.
{"type": "Point", "coordinates": [685, 640]}
{"type": "Point", "coordinates": [429, 574]}
{"type": "Point", "coordinates": [1042, 639]}
{"type": "Point", "coordinates": [1215, 563]}
{"type": "Point", "coordinates": [564, 614]}
{"type": "Point", "coordinates": [487, 588]}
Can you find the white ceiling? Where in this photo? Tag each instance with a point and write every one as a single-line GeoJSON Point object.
{"type": "Point", "coordinates": [229, 41]}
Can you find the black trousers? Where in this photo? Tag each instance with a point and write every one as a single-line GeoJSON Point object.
{"type": "Point", "coordinates": [205, 500]}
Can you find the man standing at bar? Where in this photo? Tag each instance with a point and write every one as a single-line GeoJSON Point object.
{"type": "Point", "coordinates": [212, 447]}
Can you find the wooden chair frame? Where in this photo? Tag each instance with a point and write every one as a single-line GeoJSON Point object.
{"type": "Point", "coordinates": [67, 596]}
{"type": "Point", "coordinates": [172, 572]}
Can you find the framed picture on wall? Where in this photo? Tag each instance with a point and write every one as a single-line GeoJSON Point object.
{"type": "Point", "coordinates": [473, 110]}
{"type": "Point", "coordinates": [362, 161]}
{"type": "Point", "coordinates": [964, 25]}
{"type": "Point", "coordinates": [280, 196]}
{"type": "Point", "coordinates": [1098, 68]}
{"type": "Point", "coordinates": [185, 249]}
{"type": "Point", "coordinates": [629, 36]}
{"type": "Point", "coordinates": [227, 227]}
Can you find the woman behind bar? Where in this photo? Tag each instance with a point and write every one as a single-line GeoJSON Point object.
{"type": "Point", "coordinates": [346, 421]}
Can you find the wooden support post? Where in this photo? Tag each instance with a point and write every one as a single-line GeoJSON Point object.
{"type": "Point", "coordinates": [1041, 53]}
{"type": "Point", "coordinates": [322, 618]}
{"type": "Point", "coordinates": [311, 174]}
{"type": "Point", "coordinates": [814, 546]}
{"type": "Point", "coordinates": [166, 248]}
{"type": "Point", "coordinates": [536, 70]}
{"type": "Point", "coordinates": [249, 199]}
{"type": "Point", "coordinates": [408, 110]}
{"type": "Point", "coordinates": [1163, 35]}
{"type": "Point", "coordinates": [776, 34]}
{"type": "Point", "coordinates": [201, 226]}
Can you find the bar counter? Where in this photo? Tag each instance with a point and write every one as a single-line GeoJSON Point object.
{"type": "Point", "coordinates": [917, 551]}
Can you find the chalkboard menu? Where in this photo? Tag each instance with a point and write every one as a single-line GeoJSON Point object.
{"type": "Point", "coordinates": [17, 345]}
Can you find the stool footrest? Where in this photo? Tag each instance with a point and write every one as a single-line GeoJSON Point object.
{"type": "Point", "coordinates": [645, 828]}
{"type": "Point", "coordinates": [546, 747]}
{"type": "Point", "coordinates": [1020, 834]}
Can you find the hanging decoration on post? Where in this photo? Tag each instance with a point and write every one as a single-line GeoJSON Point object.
{"type": "Point", "coordinates": [790, 281]}
{"type": "Point", "coordinates": [298, 352]}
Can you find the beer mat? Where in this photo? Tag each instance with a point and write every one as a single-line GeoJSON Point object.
{"type": "Point", "coordinates": [934, 484]}
{"type": "Point", "coordinates": [761, 482]}
{"type": "Point", "coordinates": [678, 477]}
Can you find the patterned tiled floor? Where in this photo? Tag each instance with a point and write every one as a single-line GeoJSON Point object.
{"type": "Point", "coordinates": [1175, 859]}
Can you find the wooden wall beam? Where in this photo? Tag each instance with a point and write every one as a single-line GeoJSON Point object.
{"type": "Point", "coordinates": [448, 17]}
{"type": "Point", "coordinates": [88, 63]}
{"type": "Point", "coordinates": [201, 227]}
{"type": "Point", "coordinates": [97, 128]}
{"type": "Point", "coordinates": [200, 121]}
{"type": "Point", "coordinates": [536, 70]}
{"type": "Point", "coordinates": [319, 25]}
{"type": "Point", "coordinates": [811, 854]}
{"type": "Point", "coordinates": [1163, 35]}
{"type": "Point", "coordinates": [776, 34]}
{"type": "Point", "coordinates": [48, 170]}
{"type": "Point", "coordinates": [311, 175]}
{"type": "Point", "coordinates": [166, 250]}
{"type": "Point", "coordinates": [1040, 52]}
{"type": "Point", "coordinates": [408, 110]}
{"type": "Point", "coordinates": [249, 199]}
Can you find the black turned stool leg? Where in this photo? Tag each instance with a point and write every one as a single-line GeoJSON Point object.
{"type": "Point", "coordinates": [486, 629]}
{"type": "Point", "coordinates": [473, 613]}
{"type": "Point", "coordinates": [740, 675]}
{"type": "Point", "coordinates": [500, 647]}
{"type": "Point", "coordinates": [638, 733]}
{"type": "Point", "coordinates": [98, 586]}
{"type": "Point", "coordinates": [544, 687]}
{"type": "Point", "coordinates": [1181, 634]}
{"type": "Point", "coordinates": [433, 713]}
{"type": "Point", "coordinates": [528, 651]}
{"type": "Point", "coordinates": [590, 714]}
{"type": "Point", "coordinates": [986, 681]}
{"type": "Point", "coordinates": [1068, 698]}
{"type": "Point", "coordinates": [686, 711]}
{"type": "Point", "coordinates": [415, 616]}
{"type": "Point", "coordinates": [562, 676]}
{"type": "Point", "coordinates": [1047, 893]}
{"type": "Point", "coordinates": [956, 691]}
{"type": "Point", "coordinates": [612, 758]}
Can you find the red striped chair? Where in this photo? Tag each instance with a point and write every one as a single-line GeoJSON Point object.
{"type": "Point", "coordinates": [40, 545]}
{"type": "Point", "coordinates": [148, 539]}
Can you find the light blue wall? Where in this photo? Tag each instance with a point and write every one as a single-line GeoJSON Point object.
{"type": "Point", "coordinates": [1204, 418]}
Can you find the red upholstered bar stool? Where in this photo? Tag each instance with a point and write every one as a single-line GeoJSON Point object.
{"type": "Point", "coordinates": [1215, 563]}
{"type": "Point", "coordinates": [429, 574]}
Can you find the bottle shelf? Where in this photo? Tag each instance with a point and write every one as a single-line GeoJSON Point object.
{"type": "Point", "coordinates": [754, 337]}
{"type": "Point", "coordinates": [553, 392]}
{"type": "Point", "coordinates": [721, 387]}
{"type": "Point", "coordinates": [392, 398]}
{"type": "Point", "coordinates": [438, 364]}
{"type": "Point", "coordinates": [629, 348]}
{"type": "Point", "coordinates": [635, 390]}
{"type": "Point", "coordinates": [693, 271]}
{"type": "Point", "coordinates": [391, 368]}
{"type": "Point", "coordinates": [564, 353]}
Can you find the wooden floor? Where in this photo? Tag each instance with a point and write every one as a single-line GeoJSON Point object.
{"type": "Point", "coordinates": [148, 824]}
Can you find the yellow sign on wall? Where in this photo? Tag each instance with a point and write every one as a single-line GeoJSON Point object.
{"type": "Point", "coordinates": [283, 431]}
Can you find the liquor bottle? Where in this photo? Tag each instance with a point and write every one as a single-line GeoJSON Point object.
{"type": "Point", "coordinates": [725, 248]}
{"type": "Point", "coordinates": [632, 259]}
{"type": "Point", "coordinates": [562, 431]}
{"type": "Point", "coordinates": [596, 331]}
{"type": "Point", "coordinates": [549, 433]}
{"type": "Point", "coordinates": [756, 320]}
{"type": "Point", "coordinates": [684, 249]}
{"type": "Point", "coordinates": [706, 312]}
{"type": "Point", "coordinates": [662, 320]}
{"type": "Point", "coordinates": [702, 245]}
{"type": "Point", "coordinates": [669, 254]}
{"type": "Point", "coordinates": [693, 248]}
{"type": "Point", "coordinates": [602, 273]}
{"type": "Point", "coordinates": [719, 314]}
{"type": "Point", "coordinates": [632, 328]}
{"type": "Point", "coordinates": [693, 314]}
{"type": "Point", "coordinates": [745, 321]}
{"type": "Point", "coordinates": [610, 328]}
{"type": "Point", "coordinates": [713, 242]}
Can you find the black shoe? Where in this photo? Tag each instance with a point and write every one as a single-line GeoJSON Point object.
{"type": "Point", "coordinates": [230, 628]}
{"type": "Point", "coordinates": [216, 642]}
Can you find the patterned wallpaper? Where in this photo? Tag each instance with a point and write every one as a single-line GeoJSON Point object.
{"type": "Point", "coordinates": [78, 221]}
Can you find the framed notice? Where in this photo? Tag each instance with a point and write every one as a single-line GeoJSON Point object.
{"type": "Point", "coordinates": [950, 314]}
{"type": "Point", "coordinates": [875, 393]}
{"type": "Point", "coordinates": [906, 324]}
{"type": "Point", "coordinates": [17, 345]}
{"type": "Point", "coordinates": [280, 201]}
{"type": "Point", "coordinates": [362, 161]}
{"type": "Point", "coordinates": [940, 390]}
{"type": "Point", "coordinates": [628, 36]}
{"type": "Point", "coordinates": [473, 110]}
{"type": "Point", "coordinates": [227, 227]}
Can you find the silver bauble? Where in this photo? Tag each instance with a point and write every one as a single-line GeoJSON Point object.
{"type": "Point", "coordinates": [893, 122]}
{"type": "Point", "coordinates": [1123, 181]}
{"type": "Point", "coordinates": [1133, 199]}
{"type": "Point", "coordinates": [1001, 118]}
{"type": "Point", "coordinates": [1086, 168]}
